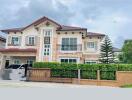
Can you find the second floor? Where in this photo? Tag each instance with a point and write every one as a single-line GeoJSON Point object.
{"type": "Point", "coordinates": [46, 33]}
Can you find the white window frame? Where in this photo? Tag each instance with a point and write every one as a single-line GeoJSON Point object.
{"type": "Point", "coordinates": [77, 59]}
{"type": "Point", "coordinates": [17, 42]}
{"type": "Point", "coordinates": [47, 47]}
{"type": "Point", "coordinates": [69, 44]}
{"type": "Point", "coordinates": [16, 61]}
{"type": "Point", "coordinates": [90, 61]}
{"type": "Point", "coordinates": [91, 45]}
{"type": "Point", "coordinates": [29, 61]}
{"type": "Point", "coordinates": [32, 43]}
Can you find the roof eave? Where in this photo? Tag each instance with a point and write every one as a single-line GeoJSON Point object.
{"type": "Point", "coordinates": [72, 30]}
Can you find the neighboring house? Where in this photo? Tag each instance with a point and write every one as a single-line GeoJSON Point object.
{"type": "Point", "coordinates": [2, 42]}
{"type": "Point", "coordinates": [47, 41]}
{"type": "Point", "coordinates": [2, 45]}
{"type": "Point", "coordinates": [116, 51]}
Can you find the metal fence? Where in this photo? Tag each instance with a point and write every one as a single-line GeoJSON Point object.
{"type": "Point", "coordinates": [88, 74]}
{"type": "Point", "coordinates": [84, 74]}
{"type": "Point", "coordinates": [64, 73]}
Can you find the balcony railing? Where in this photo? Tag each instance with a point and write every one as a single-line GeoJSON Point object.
{"type": "Point", "coordinates": [69, 47]}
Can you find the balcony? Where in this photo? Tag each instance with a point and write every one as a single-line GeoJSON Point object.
{"type": "Point", "coordinates": [69, 48]}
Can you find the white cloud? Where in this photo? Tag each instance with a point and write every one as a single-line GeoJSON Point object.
{"type": "Point", "coordinates": [112, 17]}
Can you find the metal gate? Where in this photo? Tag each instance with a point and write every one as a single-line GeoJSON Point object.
{"type": "Point", "coordinates": [12, 74]}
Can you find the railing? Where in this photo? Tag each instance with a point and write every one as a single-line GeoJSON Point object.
{"type": "Point", "coordinates": [64, 73]}
{"type": "Point", "coordinates": [88, 74]}
{"type": "Point", "coordinates": [84, 74]}
{"type": "Point", "coordinates": [69, 47]}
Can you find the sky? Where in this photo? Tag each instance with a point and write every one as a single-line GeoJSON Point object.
{"type": "Point", "coordinates": [111, 17]}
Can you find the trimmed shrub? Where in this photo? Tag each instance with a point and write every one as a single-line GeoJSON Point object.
{"type": "Point", "coordinates": [46, 65]}
{"type": "Point", "coordinates": [107, 71]}
{"type": "Point", "coordinates": [88, 66]}
{"type": "Point", "coordinates": [88, 74]}
{"type": "Point", "coordinates": [69, 66]}
{"type": "Point", "coordinates": [124, 67]}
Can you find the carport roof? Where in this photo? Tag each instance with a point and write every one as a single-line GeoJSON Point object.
{"type": "Point", "coordinates": [17, 50]}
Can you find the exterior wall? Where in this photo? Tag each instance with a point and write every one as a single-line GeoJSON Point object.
{"type": "Point", "coordinates": [70, 54]}
{"type": "Point", "coordinates": [122, 78]}
{"type": "Point", "coordinates": [31, 31]}
{"type": "Point", "coordinates": [92, 51]}
{"type": "Point", "coordinates": [56, 53]}
{"type": "Point", "coordinates": [2, 58]}
{"type": "Point", "coordinates": [23, 60]}
{"type": "Point", "coordinates": [2, 44]}
{"type": "Point", "coordinates": [92, 54]}
{"type": "Point", "coordinates": [116, 55]}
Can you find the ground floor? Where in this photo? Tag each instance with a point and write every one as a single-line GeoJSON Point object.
{"type": "Point", "coordinates": [28, 56]}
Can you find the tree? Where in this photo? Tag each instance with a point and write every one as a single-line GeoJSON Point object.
{"type": "Point", "coordinates": [126, 55]}
{"type": "Point", "coordinates": [107, 54]}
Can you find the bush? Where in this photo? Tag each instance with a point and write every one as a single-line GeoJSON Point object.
{"type": "Point", "coordinates": [87, 74]}
{"type": "Point", "coordinates": [88, 66]}
{"type": "Point", "coordinates": [107, 71]}
{"type": "Point", "coordinates": [68, 66]}
{"type": "Point", "coordinates": [124, 67]}
{"type": "Point", "coordinates": [46, 65]}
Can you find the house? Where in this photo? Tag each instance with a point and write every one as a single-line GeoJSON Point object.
{"type": "Point", "coordinates": [2, 41]}
{"type": "Point", "coordinates": [2, 45]}
{"type": "Point", "coordinates": [117, 52]}
{"type": "Point", "coordinates": [48, 41]}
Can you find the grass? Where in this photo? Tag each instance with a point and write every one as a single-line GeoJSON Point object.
{"type": "Point", "coordinates": [127, 86]}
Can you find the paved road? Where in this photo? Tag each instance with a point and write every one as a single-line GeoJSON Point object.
{"type": "Point", "coordinates": [12, 90]}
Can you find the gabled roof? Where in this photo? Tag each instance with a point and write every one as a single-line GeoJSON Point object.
{"type": "Point", "coordinates": [70, 28]}
{"type": "Point", "coordinates": [116, 49]}
{"type": "Point", "coordinates": [2, 38]}
{"type": "Point", "coordinates": [94, 34]}
{"type": "Point", "coordinates": [39, 21]}
{"type": "Point", "coordinates": [12, 30]}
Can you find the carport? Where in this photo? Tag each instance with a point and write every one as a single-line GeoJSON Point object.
{"type": "Point", "coordinates": [15, 55]}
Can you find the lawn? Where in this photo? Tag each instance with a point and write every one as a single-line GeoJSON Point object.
{"type": "Point", "coordinates": [127, 86]}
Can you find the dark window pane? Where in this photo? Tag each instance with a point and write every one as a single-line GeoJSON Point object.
{"type": "Point", "coordinates": [46, 40]}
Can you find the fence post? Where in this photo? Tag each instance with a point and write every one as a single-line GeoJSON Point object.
{"type": "Point", "coordinates": [79, 76]}
{"type": "Point", "coordinates": [98, 75]}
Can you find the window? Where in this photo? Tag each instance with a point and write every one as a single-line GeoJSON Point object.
{"type": "Point", "coordinates": [90, 62]}
{"type": "Point", "coordinates": [46, 40]}
{"type": "Point", "coordinates": [47, 33]}
{"type": "Point", "coordinates": [65, 60]}
{"type": "Point", "coordinates": [30, 61]}
{"type": "Point", "coordinates": [69, 44]}
{"type": "Point", "coordinates": [91, 45]}
{"type": "Point", "coordinates": [15, 41]}
{"type": "Point", "coordinates": [16, 61]}
{"type": "Point", "coordinates": [47, 49]}
{"type": "Point", "coordinates": [31, 40]}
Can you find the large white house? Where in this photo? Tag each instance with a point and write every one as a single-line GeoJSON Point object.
{"type": "Point", "coordinates": [47, 41]}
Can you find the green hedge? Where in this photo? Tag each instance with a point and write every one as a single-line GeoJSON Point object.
{"type": "Point", "coordinates": [107, 71]}
{"type": "Point", "coordinates": [54, 65]}
{"type": "Point", "coordinates": [124, 67]}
